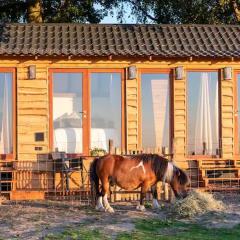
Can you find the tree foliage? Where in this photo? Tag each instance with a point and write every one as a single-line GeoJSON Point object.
{"type": "Point", "coordinates": [93, 11]}
{"type": "Point", "coordinates": [184, 11]}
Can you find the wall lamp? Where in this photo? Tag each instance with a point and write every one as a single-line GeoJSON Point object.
{"type": "Point", "coordinates": [32, 72]}
{"type": "Point", "coordinates": [227, 73]}
{"type": "Point", "coordinates": [132, 72]}
{"type": "Point", "coordinates": [179, 72]}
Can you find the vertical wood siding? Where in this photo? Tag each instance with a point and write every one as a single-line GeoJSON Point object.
{"type": "Point", "coordinates": [132, 114]}
{"type": "Point", "coordinates": [180, 118]}
{"type": "Point", "coordinates": [227, 118]}
{"type": "Point", "coordinates": [33, 112]}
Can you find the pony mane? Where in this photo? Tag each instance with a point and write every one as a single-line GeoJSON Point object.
{"type": "Point", "coordinates": [182, 177]}
{"type": "Point", "coordinates": [159, 164]}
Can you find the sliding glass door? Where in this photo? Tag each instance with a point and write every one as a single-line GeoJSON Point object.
{"type": "Point", "coordinates": [106, 109]}
{"type": "Point", "coordinates": [203, 113]}
{"type": "Point", "coordinates": [238, 113]}
{"type": "Point", "coordinates": [155, 103]}
{"type": "Point", "coordinates": [67, 111]}
{"type": "Point", "coordinates": [6, 113]}
{"type": "Point", "coordinates": [86, 110]}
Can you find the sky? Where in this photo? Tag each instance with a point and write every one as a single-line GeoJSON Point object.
{"type": "Point", "coordinates": [113, 19]}
{"type": "Point", "coordinates": [128, 18]}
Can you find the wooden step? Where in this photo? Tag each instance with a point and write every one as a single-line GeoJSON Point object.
{"type": "Point", "coordinates": [27, 195]}
{"type": "Point", "coordinates": [6, 169]}
{"type": "Point", "coordinates": [223, 179]}
{"type": "Point", "coordinates": [215, 188]}
{"type": "Point", "coordinates": [217, 165]}
{"type": "Point", "coordinates": [237, 163]}
{"type": "Point", "coordinates": [221, 169]}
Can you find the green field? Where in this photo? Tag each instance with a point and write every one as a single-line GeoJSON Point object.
{"type": "Point", "coordinates": [154, 229]}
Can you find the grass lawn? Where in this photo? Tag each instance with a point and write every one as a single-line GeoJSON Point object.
{"type": "Point", "coordinates": [154, 229]}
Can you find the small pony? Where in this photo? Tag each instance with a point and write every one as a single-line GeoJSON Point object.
{"type": "Point", "coordinates": [132, 172]}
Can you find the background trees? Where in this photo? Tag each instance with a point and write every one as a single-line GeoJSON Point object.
{"type": "Point", "coordinates": [52, 10]}
{"type": "Point", "coordinates": [185, 11]}
{"type": "Point", "coordinates": [93, 11]}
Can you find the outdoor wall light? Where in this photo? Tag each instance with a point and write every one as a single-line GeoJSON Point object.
{"type": "Point", "coordinates": [132, 72]}
{"type": "Point", "coordinates": [227, 73]}
{"type": "Point", "coordinates": [179, 73]}
{"type": "Point", "coordinates": [32, 72]}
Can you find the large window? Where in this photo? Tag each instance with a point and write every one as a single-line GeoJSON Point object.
{"type": "Point", "coordinates": [105, 109]}
{"type": "Point", "coordinates": [238, 110]}
{"type": "Point", "coordinates": [67, 112]}
{"type": "Point", "coordinates": [6, 113]}
{"type": "Point", "coordinates": [155, 97]}
{"type": "Point", "coordinates": [203, 113]}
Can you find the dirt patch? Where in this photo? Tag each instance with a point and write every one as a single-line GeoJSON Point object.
{"type": "Point", "coordinates": [35, 220]}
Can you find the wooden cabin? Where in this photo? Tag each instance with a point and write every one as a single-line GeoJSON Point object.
{"type": "Point", "coordinates": [172, 89]}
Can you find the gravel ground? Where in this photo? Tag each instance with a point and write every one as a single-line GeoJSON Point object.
{"type": "Point", "coordinates": [35, 220]}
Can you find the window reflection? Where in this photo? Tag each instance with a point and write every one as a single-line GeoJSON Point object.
{"type": "Point", "coordinates": [238, 89]}
{"type": "Point", "coordinates": [155, 110]}
{"type": "Point", "coordinates": [6, 88]}
{"type": "Point", "coordinates": [203, 113]}
{"type": "Point", "coordinates": [67, 108]}
{"type": "Point", "coordinates": [105, 109]}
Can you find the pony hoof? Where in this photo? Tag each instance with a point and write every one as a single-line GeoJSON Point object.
{"type": "Point", "coordinates": [101, 209]}
{"type": "Point", "coordinates": [110, 210]}
{"type": "Point", "coordinates": [141, 208]}
{"type": "Point", "coordinates": [155, 204]}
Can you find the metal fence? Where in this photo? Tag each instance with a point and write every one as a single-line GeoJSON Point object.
{"type": "Point", "coordinates": [57, 176]}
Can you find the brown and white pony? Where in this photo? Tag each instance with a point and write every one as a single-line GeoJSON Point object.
{"type": "Point", "coordinates": [132, 172]}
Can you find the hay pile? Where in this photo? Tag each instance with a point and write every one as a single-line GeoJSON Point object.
{"type": "Point", "coordinates": [196, 203]}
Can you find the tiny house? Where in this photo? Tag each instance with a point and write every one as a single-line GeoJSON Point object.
{"type": "Point", "coordinates": [174, 89]}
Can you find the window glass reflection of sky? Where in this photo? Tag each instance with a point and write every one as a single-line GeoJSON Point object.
{"type": "Point", "coordinates": [155, 110]}
{"type": "Point", "coordinates": [238, 94]}
{"type": "Point", "coordinates": [105, 109]}
{"type": "Point", "coordinates": [6, 97]}
{"type": "Point", "coordinates": [205, 100]}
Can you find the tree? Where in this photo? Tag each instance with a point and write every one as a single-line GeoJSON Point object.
{"type": "Point", "coordinates": [183, 11]}
{"type": "Point", "coordinates": [93, 11]}
{"type": "Point", "coordinates": [234, 5]}
{"type": "Point", "coordinates": [53, 10]}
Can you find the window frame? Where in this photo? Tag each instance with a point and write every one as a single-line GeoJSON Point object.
{"type": "Point", "coordinates": [123, 97]}
{"type": "Point", "coordinates": [171, 102]}
{"type": "Point", "coordinates": [86, 100]}
{"type": "Point", "coordinates": [13, 155]}
{"type": "Point", "coordinates": [85, 136]}
{"type": "Point", "coordinates": [200, 156]}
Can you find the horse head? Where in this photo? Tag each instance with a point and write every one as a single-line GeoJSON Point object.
{"type": "Point", "coordinates": [179, 182]}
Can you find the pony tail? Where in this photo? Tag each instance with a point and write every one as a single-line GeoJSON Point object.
{"type": "Point", "coordinates": [94, 180]}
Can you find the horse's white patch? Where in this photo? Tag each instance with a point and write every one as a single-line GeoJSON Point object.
{"type": "Point", "coordinates": [107, 205]}
{"type": "Point", "coordinates": [169, 173]}
{"type": "Point", "coordinates": [139, 165]}
{"type": "Point", "coordinates": [155, 204]}
{"type": "Point", "coordinates": [99, 205]}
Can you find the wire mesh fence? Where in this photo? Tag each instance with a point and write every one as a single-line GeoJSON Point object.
{"type": "Point", "coordinates": [58, 176]}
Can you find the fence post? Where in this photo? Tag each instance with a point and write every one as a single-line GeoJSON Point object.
{"type": "Point", "coordinates": [110, 146]}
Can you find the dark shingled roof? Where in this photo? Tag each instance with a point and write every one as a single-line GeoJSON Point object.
{"type": "Point", "coordinates": [120, 40]}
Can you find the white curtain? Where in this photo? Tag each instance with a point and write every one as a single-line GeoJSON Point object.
{"type": "Point", "coordinates": [206, 128]}
{"type": "Point", "coordinates": [6, 133]}
{"type": "Point", "coordinates": [160, 101]}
